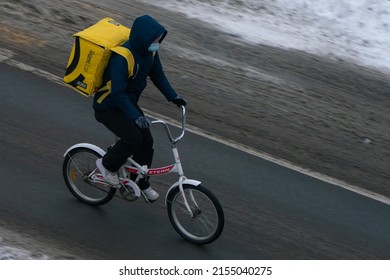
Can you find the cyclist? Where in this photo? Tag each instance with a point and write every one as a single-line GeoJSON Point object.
{"type": "Point", "coordinates": [119, 111]}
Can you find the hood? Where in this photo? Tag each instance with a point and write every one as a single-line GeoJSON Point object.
{"type": "Point", "coordinates": [144, 31]}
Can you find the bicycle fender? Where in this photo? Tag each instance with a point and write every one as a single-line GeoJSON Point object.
{"type": "Point", "coordinates": [93, 147]}
{"type": "Point", "coordinates": [185, 182]}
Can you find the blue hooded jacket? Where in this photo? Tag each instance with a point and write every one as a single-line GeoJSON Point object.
{"type": "Point", "coordinates": [125, 90]}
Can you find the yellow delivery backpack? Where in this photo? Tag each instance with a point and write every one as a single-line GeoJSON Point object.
{"type": "Point", "coordinates": [91, 53]}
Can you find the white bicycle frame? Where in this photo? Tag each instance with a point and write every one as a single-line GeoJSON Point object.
{"type": "Point", "coordinates": [132, 167]}
{"type": "Point", "coordinates": [144, 171]}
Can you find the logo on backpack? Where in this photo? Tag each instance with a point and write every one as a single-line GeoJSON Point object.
{"type": "Point", "coordinates": [81, 84]}
{"type": "Point", "coordinates": [114, 22]}
{"type": "Point", "coordinates": [88, 65]}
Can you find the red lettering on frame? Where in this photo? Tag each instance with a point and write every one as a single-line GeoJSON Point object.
{"type": "Point", "coordinates": [162, 170]}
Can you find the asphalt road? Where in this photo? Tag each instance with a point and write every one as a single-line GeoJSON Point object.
{"type": "Point", "coordinates": [271, 212]}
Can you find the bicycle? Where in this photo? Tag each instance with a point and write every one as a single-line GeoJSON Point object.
{"type": "Point", "coordinates": [194, 211]}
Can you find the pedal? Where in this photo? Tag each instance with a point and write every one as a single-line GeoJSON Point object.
{"type": "Point", "coordinates": [129, 190]}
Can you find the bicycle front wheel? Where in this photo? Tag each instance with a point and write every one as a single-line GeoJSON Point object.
{"type": "Point", "coordinates": [79, 164]}
{"type": "Point", "coordinates": [204, 223]}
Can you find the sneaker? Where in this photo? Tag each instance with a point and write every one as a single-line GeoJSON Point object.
{"type": "Point", "coordinates": [150, 194]}
{"type": "Point", "coordinates": [110, 177]}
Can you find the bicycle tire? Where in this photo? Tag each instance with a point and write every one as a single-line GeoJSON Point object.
{"type": "Point", "coordinates": [207, 224]}
{"type": "Point", "coordinates": [77, 164]}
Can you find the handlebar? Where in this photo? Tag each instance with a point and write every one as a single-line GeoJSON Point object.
{"type": "Point", "coordinates": [168, 131]}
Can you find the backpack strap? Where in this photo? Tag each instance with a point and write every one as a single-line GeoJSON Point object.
{"type": "Point", "coordinates": [126, 53]}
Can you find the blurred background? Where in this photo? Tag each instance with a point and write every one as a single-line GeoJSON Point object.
{"type": "Point", "coordinates": [303, 81]}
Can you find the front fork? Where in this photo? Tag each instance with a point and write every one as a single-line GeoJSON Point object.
{"type": "Point", "coordinates": [179, 184]}
{"type": "Point", "coordinates": [181, 179]}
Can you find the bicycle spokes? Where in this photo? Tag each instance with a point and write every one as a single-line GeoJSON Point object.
{"type": "Point", "coordinates": [204, 222]}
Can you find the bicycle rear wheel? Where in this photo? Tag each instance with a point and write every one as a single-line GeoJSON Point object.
{"type": "Point", "coordinates": [79, 164]}
{"type": "Point", "coordinates": [205, 224]}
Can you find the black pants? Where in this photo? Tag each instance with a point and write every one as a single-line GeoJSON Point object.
{"type": "Point", "coordinates": [132, 141]}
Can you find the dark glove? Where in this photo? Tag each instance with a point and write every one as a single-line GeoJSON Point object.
{"type": "Point", "coordinates": [142, 122]}
{"type": "Point", "coordinates": [179, 101]}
